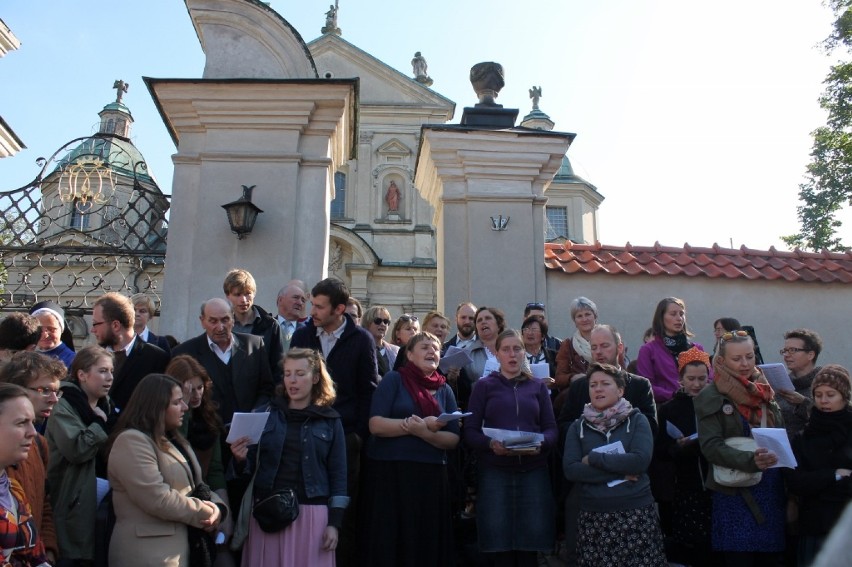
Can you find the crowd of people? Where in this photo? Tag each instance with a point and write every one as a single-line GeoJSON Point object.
{"type": "Point", "coordinates": [532, 451]}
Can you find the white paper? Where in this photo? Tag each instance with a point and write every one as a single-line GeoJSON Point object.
{"type": "Point", "coordinates": [102, 487]}
{"type": "Point", "coordinates": [446, 417]}
{"type": "Point", "coordinates": [247, 425]}
{"type": "Point", "coordinates": [455, 357]}
{"type": "Point", "coordinates": [540, 370]}
{"type": "Point", "coordinates": [514, 439]}
{"type": "Point", "coordinates": [676, 433]}
{"type": "Point", "coordinates": [616, 448]}
{"type": "Point", "coordinates": [776, 441]}
{"type": "Point", "coordinates": [776, 374]}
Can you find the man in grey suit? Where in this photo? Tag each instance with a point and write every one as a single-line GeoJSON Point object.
{"type": "Point", "coordinates": [291, 303]}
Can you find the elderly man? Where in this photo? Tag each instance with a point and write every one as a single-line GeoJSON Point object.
{"type": "Point", "coordinates": [113, 317]}
{"type": "Point", "coordinates": [51, 317]}
{"type": "Point", "coordinates": [237, 363]}
{"type": "Point", "coordinates": [291, 303]}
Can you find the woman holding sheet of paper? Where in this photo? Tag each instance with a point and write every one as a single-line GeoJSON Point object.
{"type": "Point", "coordinates": [515, 515]}
{"type": "Point", "coordinates": [607, 453]}
{"type": "Point", "coordinates": [302, 448]}
{"type": "Point", "coordinates": [823, 479]}
{"type": "Point", "coordinates": [408, 492]}
{"type": "Point", "coordinates": [748, 522]}
{"type": "Point", "coordinates": [534, 330]}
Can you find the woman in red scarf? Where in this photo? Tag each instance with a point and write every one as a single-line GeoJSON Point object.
{"type": "Point", "coordinates": [748, 523]}
{"type": "Point", "coordinates": [408, 498]}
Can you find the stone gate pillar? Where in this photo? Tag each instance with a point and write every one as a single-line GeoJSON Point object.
{"type": "Point", "coordinates": [259, 117]}
{"type": "Point", "coordinates": [486, 180]}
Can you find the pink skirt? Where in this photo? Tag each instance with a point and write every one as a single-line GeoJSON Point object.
{"type": "Point", "coordinates": [299, 544]}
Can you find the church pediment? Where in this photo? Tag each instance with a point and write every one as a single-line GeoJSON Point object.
{"type": "Point", "coordinates": [394, 147]}
{"type": "Point", "coordinates": [380, 84]}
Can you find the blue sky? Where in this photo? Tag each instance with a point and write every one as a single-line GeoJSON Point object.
{"type": "Point", "coordinates": [692, 119]}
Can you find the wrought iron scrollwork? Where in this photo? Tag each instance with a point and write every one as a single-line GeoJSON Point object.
{"type": "Point", "coordinates": [93, 220]}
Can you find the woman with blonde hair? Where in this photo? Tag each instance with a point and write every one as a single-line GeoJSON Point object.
{"type": "Point", "coordinates": [302, 451]}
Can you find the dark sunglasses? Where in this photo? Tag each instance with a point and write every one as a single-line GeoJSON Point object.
{"type": "Point", "coordinates": [408, 317]}
{"type": "Point", "coordinates": [536, 305]}
{"type": "Point", "coordinates": [380, 321]}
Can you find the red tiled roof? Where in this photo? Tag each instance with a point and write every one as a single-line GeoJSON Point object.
{"type": "Point", "coordinates": [715, 262]}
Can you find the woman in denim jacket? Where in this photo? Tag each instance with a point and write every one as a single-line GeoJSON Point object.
{"type": "Point", "coordinates": [309, 456]}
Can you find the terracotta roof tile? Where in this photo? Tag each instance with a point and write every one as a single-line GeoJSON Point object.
{"type": "Point", "coordinates": [688, 261]}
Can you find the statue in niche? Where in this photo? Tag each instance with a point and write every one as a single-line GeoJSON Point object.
{"type": "Point", "coordinates": [392, 197]}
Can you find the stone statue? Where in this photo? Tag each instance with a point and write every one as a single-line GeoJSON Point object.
{"type": "Point", "coordinates": [392, 197]}
{"type": "Point", "coordinates": [487, 80]}
{"type": "Point", "coordinates": [535, 95]}
{"type": "Point", "coordinates": [331, 20]}
{"type": "Point", "coordinates": [120, 88]}
{"type": "Point", "coordinates": [421, 74]}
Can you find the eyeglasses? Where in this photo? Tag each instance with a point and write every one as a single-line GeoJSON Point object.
{"type": "Point", "coordinates": [47, 392]}
{"type": "Point", "coordinates": [408, 317]}
{"type": "Point", "coordinates": [792, 350]}
{"type": "Point", "coordinates": [730, 335]}
{"type": "Point", "coordinates": [536, 305]}
{"type": "Point", "coordinates": [380, 321]}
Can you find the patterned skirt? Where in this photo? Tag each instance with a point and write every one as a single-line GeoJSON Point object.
{"type": "Point", "coordinates": [626, 538]}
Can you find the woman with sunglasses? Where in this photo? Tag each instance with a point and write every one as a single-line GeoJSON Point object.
{"type": "Point", "coordinates": [748, 522]}
{"type": "Point", "coordinates": [657, 360]}
{"type": "Point", "coordinates": [405, 327]}
{"type": "Point", "coordinates": [376, 320]}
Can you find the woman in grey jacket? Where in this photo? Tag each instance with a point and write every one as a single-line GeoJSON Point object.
{"type": "Point", "coordinates": [607, 452]}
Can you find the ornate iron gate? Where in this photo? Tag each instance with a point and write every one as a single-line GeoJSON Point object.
{"type": "Point", "coordinates": [92, 221]}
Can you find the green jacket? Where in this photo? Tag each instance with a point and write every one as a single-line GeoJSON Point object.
{"type": "Point", "coordinates": [715, 424]}
{"type": "Point", "coordinates": [71, 476]}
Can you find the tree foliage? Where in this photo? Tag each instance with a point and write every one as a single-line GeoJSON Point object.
{"type": "Point", "coordinates": [828, 179]}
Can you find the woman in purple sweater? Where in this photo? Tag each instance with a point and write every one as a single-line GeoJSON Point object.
{"type": "Point", "coordinates": [515, 515]}
{"type": "Point", "coordinates": [657, 360]}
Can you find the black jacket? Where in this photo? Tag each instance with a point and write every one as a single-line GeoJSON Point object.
{"type": "Point", "coordinates": [144, 359]}
{"type": "Point", "coordinates": [267, 326]}
{"type": "Point", "coordinates": [242, 385]}
{"type": "Point", "coordinates": [690, 466]}
{"type": "Point", "coordinates": [352, 365]}
{"type": "Point", "coordinates": [823, 447]}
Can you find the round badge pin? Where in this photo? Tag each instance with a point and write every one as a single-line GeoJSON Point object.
{"type": "Point", "coordinates": [727, 409]}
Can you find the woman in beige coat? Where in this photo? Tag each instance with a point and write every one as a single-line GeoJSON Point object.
{"type": "Point", "coordinates": [152, 471]}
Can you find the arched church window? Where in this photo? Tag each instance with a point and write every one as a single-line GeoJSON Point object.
{"type": "Point", "coordinates": [338, 204]}
{"type": "Point", "coordinates": [80, 215]}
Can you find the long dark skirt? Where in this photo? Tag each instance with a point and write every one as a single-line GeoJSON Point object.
{"type": "Point", "coordinates": [627, 538]}
{"type": "Point", "coordinates": [515, 510]}
{"type": "Point", "coordinates": [409, 521]}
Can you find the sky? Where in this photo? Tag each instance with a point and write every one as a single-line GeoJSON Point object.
{"type": "Point", "coordinates": [693, 119]}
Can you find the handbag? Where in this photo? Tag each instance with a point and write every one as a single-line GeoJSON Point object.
{"type": "Point", "coordinates": [276, 511]}
{"type": "Point", "coordinates": [202, 544]}
{"type": "Point", "coordinates": [735, 478]}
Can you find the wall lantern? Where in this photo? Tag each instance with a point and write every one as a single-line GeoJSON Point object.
{"type": "Point", "coordinates": [242, 213]}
